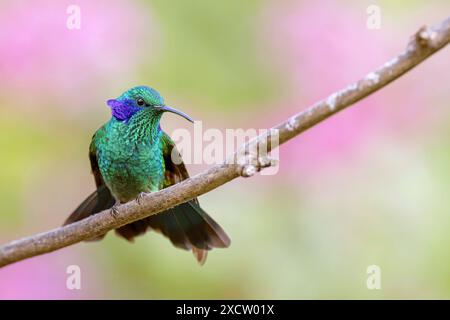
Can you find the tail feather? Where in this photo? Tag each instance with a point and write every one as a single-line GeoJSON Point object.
{"type": "Point", "coordinates": [169, 225]}
{"type": "Point", "coordinates": [200, 255]}
{"type": "Point", "coordinates": [131, 230]}
{"type": "Point", "coordinates": [187, 226]}
{"type": "Point", "coordinates": [101, 199]}
{"type": "Point", "coordinates": [191, 224]}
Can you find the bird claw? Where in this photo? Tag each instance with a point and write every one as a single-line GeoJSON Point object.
{"type": "Point", "coordinates": [139, 198]}
{"type": "Point", "coordinates": [114, 211]}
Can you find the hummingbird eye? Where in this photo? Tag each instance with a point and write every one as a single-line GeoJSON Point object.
{"type": "Point", "coordinates": [140, 102]}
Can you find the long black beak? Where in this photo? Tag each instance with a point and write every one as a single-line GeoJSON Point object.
{"type": "Point", "coordinates": [170, 109]}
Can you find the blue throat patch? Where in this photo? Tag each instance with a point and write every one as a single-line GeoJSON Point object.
{"type": "Point", "coordinates": [123, 110]}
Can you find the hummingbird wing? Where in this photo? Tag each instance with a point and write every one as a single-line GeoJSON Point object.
{"type": "Point", "coordinates": [187, 225]}
{"type": "Point", "coordinates": [101, 199]}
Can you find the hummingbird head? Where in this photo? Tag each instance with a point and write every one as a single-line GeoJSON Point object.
{"type": "Point", "coordinates": [140, 98]}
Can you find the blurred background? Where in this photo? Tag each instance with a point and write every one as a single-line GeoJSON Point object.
{"type": "Point", "coordinates": [368, 187]}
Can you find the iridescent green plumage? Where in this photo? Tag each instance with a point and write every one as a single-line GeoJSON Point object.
{"type": "Point", "coordinates": [134, 162]}
{"type": "Point", "coordinates": [131, 154]}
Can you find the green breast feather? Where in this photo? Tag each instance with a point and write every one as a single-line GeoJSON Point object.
{"type": "Point", "coordinates": [129, 162]}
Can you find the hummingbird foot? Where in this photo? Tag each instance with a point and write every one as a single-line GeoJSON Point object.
{"type": "Point", "coordinates": [114, 210]}
{"type": "Point", "coordinates": [140, 197]}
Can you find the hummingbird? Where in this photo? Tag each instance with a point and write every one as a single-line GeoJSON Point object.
{"type": "Point", "coordinates": [131, 155]}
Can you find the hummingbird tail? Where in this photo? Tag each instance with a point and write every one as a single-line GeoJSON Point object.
{"type": "Point", "coordinates": [187, 226]}
{"type": "Point", "coordinates": [101, 199]}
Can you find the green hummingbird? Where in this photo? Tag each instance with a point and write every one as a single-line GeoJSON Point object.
{"type": "Point", "coordinates": [131, 155]}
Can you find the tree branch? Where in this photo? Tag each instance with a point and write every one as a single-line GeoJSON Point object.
{"type": "Point", "coordinates": [422, 45]}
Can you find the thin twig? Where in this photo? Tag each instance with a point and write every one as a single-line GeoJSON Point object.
{"type": "Point", "coordinates": [422, 45]}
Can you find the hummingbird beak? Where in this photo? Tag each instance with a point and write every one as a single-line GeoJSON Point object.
{"type": "Point", "coordinates": [172, 110]}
